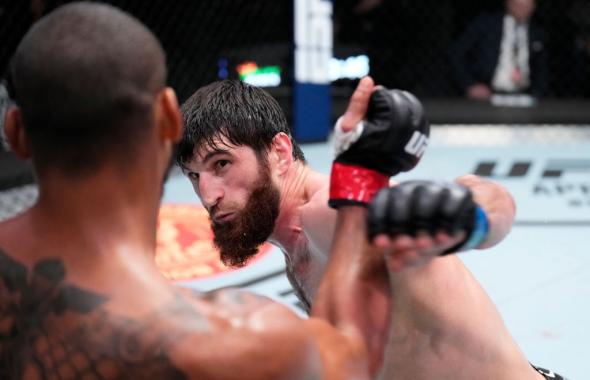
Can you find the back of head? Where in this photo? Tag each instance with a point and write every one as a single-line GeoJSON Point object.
{"type": "Point", "coordinates": [86, 77]}
{"type": "Point", "coordinates": [238, 112]}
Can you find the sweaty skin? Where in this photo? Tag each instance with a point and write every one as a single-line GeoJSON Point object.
{"type": "Point", "coordinates": [81, 296]}
{"type": "Point", "coordinates": [60, 321]}
{"type": "Point", "coordinates": [443, 323]}
{"type": "Point", "coordinates": [461, 336]}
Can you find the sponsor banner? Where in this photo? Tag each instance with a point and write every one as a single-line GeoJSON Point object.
{"type": "Point", "coordinates": [550, 184]}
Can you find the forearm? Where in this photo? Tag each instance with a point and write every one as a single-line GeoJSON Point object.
{"type": "Point", "coordinates": [497, 203]}
{"type": "Point", "coordinates": [355, 289]}
{"type": "Point", "coordinates": [354, 292]}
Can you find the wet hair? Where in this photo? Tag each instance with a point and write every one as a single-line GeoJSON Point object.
{"type": "Point", "coordinates": [241, 114]}
{"type": "Point", "coordinates": [86, 77]}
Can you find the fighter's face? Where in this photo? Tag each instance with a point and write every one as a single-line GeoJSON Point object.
{"type": "Point", "coordinates": [236, 189]}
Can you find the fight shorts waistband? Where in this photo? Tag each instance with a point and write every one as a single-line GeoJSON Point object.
{"type": "Point", "coordinates": [547, 374]}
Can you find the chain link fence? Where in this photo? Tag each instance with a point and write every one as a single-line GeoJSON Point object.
{"type": "Point", "coordinates": [204, 40]}
{"type": "Point", "coordinates": [408, 42]}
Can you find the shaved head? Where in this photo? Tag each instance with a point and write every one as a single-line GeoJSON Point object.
{"type": "Point", "coordinates": [85, 78]}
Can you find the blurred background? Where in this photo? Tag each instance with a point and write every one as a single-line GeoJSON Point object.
{"type": "Point", "coordinates": [505, 84]}
{"type": "Point", "coordinates": [401, 43]}
{"type": "Point", "coordinates": [310, 54]}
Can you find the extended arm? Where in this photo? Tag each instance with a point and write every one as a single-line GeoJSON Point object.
{"type": "Point", "coordinates": [246, 336]}
{"type": "Point", "coordinates": [354, 292]}
{"type": "Point", "coordinates": [355, 289]}
{"type": "Point", "coordinates": [436, 319]}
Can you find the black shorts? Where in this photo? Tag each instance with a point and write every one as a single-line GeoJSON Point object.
{"type": "Point", "coordinates": [547, 374]}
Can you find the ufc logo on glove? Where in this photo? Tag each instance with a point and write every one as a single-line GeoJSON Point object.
{"type": "Point", "coordinates": [417, 144]}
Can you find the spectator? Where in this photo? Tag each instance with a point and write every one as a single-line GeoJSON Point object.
{"type": "Point", "coordinates": [501, 53]}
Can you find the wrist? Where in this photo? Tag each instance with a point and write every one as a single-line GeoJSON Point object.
{"type": "Point", "coordinates": [476, 236]}
{"type": "Point", "coordinates": [479, 233]}
{"type": "Point", "coordinates": [354, 185]}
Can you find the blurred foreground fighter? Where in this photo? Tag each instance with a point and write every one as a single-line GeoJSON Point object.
{"type": "Point", "coordinates": [252, 178]}
{"type": "Point", "coordinates": [80, 294]}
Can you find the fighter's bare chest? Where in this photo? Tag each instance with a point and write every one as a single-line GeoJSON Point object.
{"type": "Point", "coordinates": [305, 266]}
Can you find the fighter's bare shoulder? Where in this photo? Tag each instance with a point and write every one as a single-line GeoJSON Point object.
{"type": "Point", "coordinates": [318, 220]}
{"type": "Point", "coordinates": [251, 337]}
{"type": "Point", "coordinates": [255, 338]}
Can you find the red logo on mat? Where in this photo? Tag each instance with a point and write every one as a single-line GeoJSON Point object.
{"type": "Point", "coordinates": [185, 249]}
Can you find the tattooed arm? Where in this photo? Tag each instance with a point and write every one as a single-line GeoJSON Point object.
{"type": "Point", "coordinates": [54, 329]}
{"type": "Point", "coordinates": [51, 328]}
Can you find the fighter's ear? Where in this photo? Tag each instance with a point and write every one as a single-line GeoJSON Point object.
{"type": "Point", "coordinates": [282, 151]}
{"type": "Point", "coordinates": [14, 130]}
{"type": "Point", "coordinates": [168, 116]}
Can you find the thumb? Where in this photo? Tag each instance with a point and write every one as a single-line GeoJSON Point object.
{"type": "Point", "coordinates": [359, 102]}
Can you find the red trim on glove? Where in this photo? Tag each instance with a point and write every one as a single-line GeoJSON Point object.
{"type": "Point", "coordinates": [355, 184]}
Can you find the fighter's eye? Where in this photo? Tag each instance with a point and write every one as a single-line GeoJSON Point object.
{"type": "Point", "coordinates": [221, 163]}
{"type": "Point", "coordinates": [193, 176]}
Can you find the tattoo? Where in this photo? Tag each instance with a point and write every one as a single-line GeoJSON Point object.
{"type": "Point", "coordinates": [305, 304]}
{"type": "Point", "coordinates": [50, 329]}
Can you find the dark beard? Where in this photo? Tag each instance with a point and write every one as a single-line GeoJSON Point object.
{"type": "Point", "coordinates": [238, 240]}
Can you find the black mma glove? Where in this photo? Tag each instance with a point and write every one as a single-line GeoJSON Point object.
{"type": "Point", "coordinates": [428, 206]}
{"type": "Point", "coordinates": [390, 140]}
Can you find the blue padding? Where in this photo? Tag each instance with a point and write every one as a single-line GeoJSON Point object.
{"type": "Point", "coordinates": [311, 112]}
